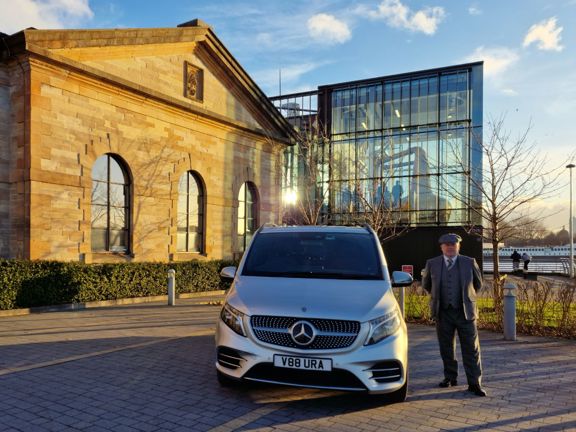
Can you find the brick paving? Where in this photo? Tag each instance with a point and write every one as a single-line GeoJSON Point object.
{"type": "Point", "coordinates": [150, 368]}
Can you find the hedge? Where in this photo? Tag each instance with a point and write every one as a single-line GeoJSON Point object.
{"type": "Point", "coordinates": [542, 308]}
{"type": "Point", "coordinates": [25, 284]}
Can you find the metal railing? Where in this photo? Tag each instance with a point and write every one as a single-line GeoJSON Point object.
{"type": "Point", "coordinates": [549, 265]}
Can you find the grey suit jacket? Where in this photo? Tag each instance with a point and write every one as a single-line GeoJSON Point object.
{"type": "Point", "coordinates": [470, 277]}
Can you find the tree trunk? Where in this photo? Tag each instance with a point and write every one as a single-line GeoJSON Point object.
{"type": "Point", "coordinates": [497, 282]}
{"type": "Point", "coordinates": [496, 264]}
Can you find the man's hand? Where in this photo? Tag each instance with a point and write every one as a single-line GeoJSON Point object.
{"type": "Point", "coordinates": [426, 278]}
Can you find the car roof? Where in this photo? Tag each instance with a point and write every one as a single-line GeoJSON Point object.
{"type": "Point", "coordinates": [267, 229]}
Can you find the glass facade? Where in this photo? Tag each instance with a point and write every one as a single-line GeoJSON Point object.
{"type": "Point", "coordinates": [407, 143]}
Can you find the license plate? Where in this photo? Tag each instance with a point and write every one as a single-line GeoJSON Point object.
{"type": "Point", "coordinates": [306, 363]}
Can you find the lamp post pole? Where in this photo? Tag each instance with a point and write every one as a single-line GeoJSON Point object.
{"type": "Point", "coordinates": [571, 225]}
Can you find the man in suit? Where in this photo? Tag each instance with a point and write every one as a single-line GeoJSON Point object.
{"type": "Point", "coordinates": [452, 281]}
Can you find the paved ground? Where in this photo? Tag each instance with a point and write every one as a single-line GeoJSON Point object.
{"type": "Point", "coordinates": [150, 367]}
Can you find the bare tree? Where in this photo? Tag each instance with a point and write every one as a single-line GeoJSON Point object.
{"type": "Point", "coordinates": [379, 212]}
{"type": "Point", "coordinates": [529, 230]}
{"type": "Point", "coordinates": [514, 175]}
{"type": "Point", "coordinates": [307, 177]}
{"type": "Point", "coordinates": [319, 173]}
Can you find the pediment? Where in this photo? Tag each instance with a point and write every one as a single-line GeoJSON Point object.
{"type": "Point", "coordinates": [189, 65]}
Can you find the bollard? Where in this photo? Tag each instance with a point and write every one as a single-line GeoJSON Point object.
{"type": "Point", "coordinates": [509, 311]}
{"type": "Point", "coordinates": [171, 287]}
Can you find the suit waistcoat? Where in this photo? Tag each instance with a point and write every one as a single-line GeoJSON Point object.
{"type": "Point", "coordinates": [450, 286]}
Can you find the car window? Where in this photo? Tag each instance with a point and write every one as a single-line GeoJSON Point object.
{"type": "Point", "coordinates": [314, 254]}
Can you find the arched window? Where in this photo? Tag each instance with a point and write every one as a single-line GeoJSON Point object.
{"type": "Point", "coordinates": [247, 214]}
{"type": "Point", "coordinates": [191, 198]}
{"type": "Point", "coordinates": [110, 206]}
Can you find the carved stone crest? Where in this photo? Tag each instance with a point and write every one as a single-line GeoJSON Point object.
{"type": "Point", "coordinates": [193, 82]}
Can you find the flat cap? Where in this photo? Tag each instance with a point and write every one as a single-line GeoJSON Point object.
{"type": "Point", "coordinates": [449, 238]}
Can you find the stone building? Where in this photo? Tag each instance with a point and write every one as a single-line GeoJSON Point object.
{"type": "Point", "coordinates": [132, 145]}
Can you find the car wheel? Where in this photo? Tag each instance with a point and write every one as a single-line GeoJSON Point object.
{"type": "Point", "coordinates": [226, 381]}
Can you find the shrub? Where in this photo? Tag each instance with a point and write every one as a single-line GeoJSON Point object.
{"type": "Point", "coordinates": [41, 283]}
{"type": "Point", "coordinates": [542, 308]}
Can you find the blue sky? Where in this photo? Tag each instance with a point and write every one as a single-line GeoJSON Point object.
{"type": "Point", "coordinates": [528, 46]}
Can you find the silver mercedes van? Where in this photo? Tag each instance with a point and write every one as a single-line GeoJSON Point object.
{"type": "Point", "coordinates": [312, 306]}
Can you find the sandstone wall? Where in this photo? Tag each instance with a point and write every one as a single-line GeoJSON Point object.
{"type": "Point", "coordinates": [14, 179]}
{"type": "Point", "coordinates": [75, 119]}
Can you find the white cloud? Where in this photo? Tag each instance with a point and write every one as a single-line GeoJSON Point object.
{"type": "Point", "coordinates": [545, 35]}
{"type": "Point", "coordinates": [474, 10]}
{"type": "Point", "coordinates": [496, 60]}
{"type": "Point", "coordinates": [44, 14]}
{"type": "Point", "coordinates": [509, 92]}
{"type": "Point", "coordinates": [265, 38]}
{"type": "Point", "coordinates": [328, 29]}
{"type": "Point", "coordinates": [398, 15]}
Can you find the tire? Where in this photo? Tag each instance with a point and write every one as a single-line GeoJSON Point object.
{"type": "Point", "coordinates": [226, 381]}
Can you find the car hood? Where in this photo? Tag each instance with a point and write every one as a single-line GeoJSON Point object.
{"type": "Point", "coordinates": [358, 300]}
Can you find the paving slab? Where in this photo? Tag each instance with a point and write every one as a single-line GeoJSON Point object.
{"type": "Point", "coordinates": [149, 367]}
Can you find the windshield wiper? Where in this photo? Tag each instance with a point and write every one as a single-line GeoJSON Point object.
{"type": "Point", "coordinates": [315, 275]}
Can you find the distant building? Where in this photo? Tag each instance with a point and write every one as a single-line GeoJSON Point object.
{"type": "Point", "coordinates": [409, 142]}
{"type": "Point", "coordinates": [132, 145]}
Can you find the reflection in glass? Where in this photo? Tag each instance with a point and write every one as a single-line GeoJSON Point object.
{"type": "Point", "coordinates": [393, 139]}
{"type": "Point", "coordinates": [99, 216]}
{"type": "Point", "coordinates": [98, 238]}
{"type": "Point", "coordinates": [190, 223]}
{"type": "Point", "coordinates": [117, 218]}
{"type": "Point", "coordinates": [454, 97]}
{"type": "Point", "coordinates": [118, 241]}
{"type": "Point", "coordinates": [116, 172]}
{"type": "Point", "coordinates": [117, 195]}
{"type": "Point", "coordinates": [454, 150]}
{"type": "Point", "coordinates": [110, 206]}
{"type": "Point", "coordinates": [247, 215]}
{"type": "Point", "coordinates": [181, 239]}
{"type": "Point", "coordinates": [99, 192]}
{"type": "Point", "coordinates": [100, 169]}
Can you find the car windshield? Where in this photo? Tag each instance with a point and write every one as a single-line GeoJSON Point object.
{"type": "Point", "coordinates": [327, 255]}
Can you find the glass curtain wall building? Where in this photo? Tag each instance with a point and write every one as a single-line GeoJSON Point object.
{"type": "Point", "coordinates": [407, 143]}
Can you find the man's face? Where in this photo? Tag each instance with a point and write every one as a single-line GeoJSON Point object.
{"type": "Point", "coordinates": [450, 249]}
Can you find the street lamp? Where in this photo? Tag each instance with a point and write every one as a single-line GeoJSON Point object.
{"type": "Point", "coordinates": [571, 225]}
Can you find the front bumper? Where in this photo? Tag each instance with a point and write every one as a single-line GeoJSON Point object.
{"type": "Point", "coordinates": [378, 368]}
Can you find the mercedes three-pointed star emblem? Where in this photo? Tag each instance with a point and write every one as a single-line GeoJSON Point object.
{"type": "Point", "coordinates": [303, 333]}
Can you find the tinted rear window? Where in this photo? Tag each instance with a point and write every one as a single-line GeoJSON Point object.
{"type": "Point", "coordinates": [314, 254]}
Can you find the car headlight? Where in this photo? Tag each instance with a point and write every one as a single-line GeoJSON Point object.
{"type": "Point", "coordinates": [383, 327]}
{"type": "Point", "coordinates": [233, 318]}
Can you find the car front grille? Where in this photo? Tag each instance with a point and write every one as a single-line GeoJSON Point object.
{"type": "Point", "coordinates": [330, 334]}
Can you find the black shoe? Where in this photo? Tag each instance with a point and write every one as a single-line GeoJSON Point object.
{"type": "Point", "coordinates": [477, 390]}
{"type": "Point", "coordinates": [447, 382]}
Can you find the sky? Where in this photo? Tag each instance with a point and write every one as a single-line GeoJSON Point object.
{"type": "Point", "coordinates": [528, 48]}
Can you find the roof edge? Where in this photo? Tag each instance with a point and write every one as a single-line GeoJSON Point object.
{"type": "Point", "coordinates": [25, 40]}
{"type": "Point", "coordinates": [151, 94]}
{"type": "Point", "coordinates": [368, 81]}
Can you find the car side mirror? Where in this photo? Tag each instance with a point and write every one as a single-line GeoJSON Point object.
{"type": "Point", "coordinates": [228, 272]}
{"type": "Point", "coordinates": [400, 279]}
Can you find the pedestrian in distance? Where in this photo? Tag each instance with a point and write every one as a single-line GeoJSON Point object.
{"type": "Point", "coordinates": [453, 281]}
{"type": "Point", "coordinates": [515, 260]}
{"type": "Point", "coordinates": [526, 258]}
